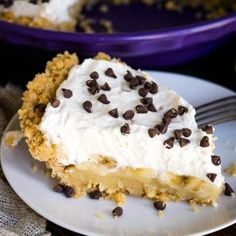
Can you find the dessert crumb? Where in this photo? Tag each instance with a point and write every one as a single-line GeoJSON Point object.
{"type": "Point", "coordinates": [34, 168]}
{"type": "Point", "coordinates": [160, 213]}
{"type": "Point", "coordinates": [231, 170]}
{"type": "Point", "coordinates": [99, 215]}
{"type": "Point", "coordinates": [12, 138]}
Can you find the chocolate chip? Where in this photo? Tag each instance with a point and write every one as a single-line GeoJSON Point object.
{"type": "Point", "coordinates": [67, 93]}
{"type": "Point", "coordinates": [154, 88]}
{"type": "Point", "coordinates": [147, 85]}
{"type": "Point", "coordinates": [55, 103]}
{"type": "Point", "coordinates": [40, 107]}
{"type": "Point", "coordinates": [128, 76]}
{"type": "Point", "coordinates": [182, 110]}
{"type": "Point", "coordinates": [172, 113]}
{"type": "Point", "coordinates": [125, 129]}
{"type": "Point", "coordinates": [146, 100]}
{"type": "Point", "coordinates": [166, 121]}
{"type": "Point", "coordinates": [143, 92]}
{"type": "Point", "coordinates": [162, 129]}
{"type": "Point", "coordinates": [109, 72]}
{"type": "Point", "coordinates": [69, 191]}
{"type": "Point", "coordinates": [208, 129]}
{"type": "Point", "coordinates": [114, 113]}
{"type": "Point", "coordinates": [87, 106]}
{"type": "Point", "coordinates": [91, 83]}
{"type": "Point", "coordinates": [105, 87]}
{"type": "Point", "coordinates": [103, 99]}
{"type": "Point", "coordinates": [59, 188]}
{"type": "Point", "coordinates": [204, 142]}
{"type": "Point", "coordinates": [159, 205]}
{"type": "Point", "coordinates": [141, 109]}
{"type": "Point", "coordinates": [118, 211]}
{"type": "Point", "coordinates": [169, 143]}
{"type": "Point", "coordinates": [211, 176]}
{"type": "Point", "coordinates": [134, 83]}
{"type": "Point", "coordinates": [228, 190]}
{"type": "Point", "coordinates": [183, 142]}
{"type": "Point", "coordinates": [94, 75]}
{"type": "Point", "coordinates": [151, 108]}
{"type": "Point", "coordinates": [178, 133]}
{"type": "Point", "coordinates": [96, 194]}
{"type": "Point", "coordinates": [187, 132]}
{"type": "Point", "coordinates": [216, 160]}
{"type": "Point", "coordinates": [128, 115]}
{"type": "Point", "coordinates": [152, 132]}
{"type": "Point", "coordinates": [141, 79]}
{"type": "Point", "coordinates": [93, 90]}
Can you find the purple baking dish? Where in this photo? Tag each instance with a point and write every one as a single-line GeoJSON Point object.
{"type": "Point", "coordinates": [165, 47]}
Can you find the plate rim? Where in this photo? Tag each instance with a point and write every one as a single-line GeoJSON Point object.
{"type": "Point", "coordinates": [85, 232]}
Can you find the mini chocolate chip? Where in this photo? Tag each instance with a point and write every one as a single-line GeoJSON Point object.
{"type": "Point", "coordinates": [147, 85]}
{"type": "Point", "coordinates": [141, 79]}
{"type": "Point", "coordinates": [228, 190]}
{"type": "Point", "coordinates": [69, 191]}
{"type": "Point", "coordinates": [103, 99]}
{"type": "Point", "coordinates": [204, 142]}
{"type": "Point", "coordinates": [151, 108]}
{"type": "Point", "coordinates": [67, 93]}
{"type": "Point", "coordinates": [143, 92]}
{"type": "Point", "coordinates": [216, 160]}
{"type": "Point", "coordinates": [40, 107]}
{"type": "Point", "coordinates": [134, 83]}
{"type": "Point", "coordinates": [208, 129]}
{"type": "Point", "coordinates": [146, 100]}
{"type": "Point", "coordinates": [141, 109]}
{"type": "Point", "coordinates": [109, 72]}
{"type": "Point", "coordinates": [96, 194]}
{"type": "Point", "coordinates": [87, 106]}
{"type": "Point", "coordinates": [93, 90]}
{"type": "Point", "coordinates": [59, 188]}
{"type": "Point", "coordinates": [128, 115]}
{"type": "Point", "coordinates": [178, 133]}
{"type": "Point", "coordinates": [94, 75]}
{"type": "Point", "coordinates": [114, 113]}
{"type": "Point", "coordinates": [166, 121]}
{"type": "Point", "coordinates": [128, 76]}
{"type": "Point", "coordinates": [55, 103]}
{"type": "Point", "coordinates": [182, 110]}
{"type": "Point", "coordinates": [169, 143]}
{"type": "Point", "coordinates": [187, 132]}
{"type": "Point", "coordinates": [154, 88]}
{"type": "Point", "coordinates": [211, 176]}
{"type": "Point", "coordinates": [105, 87]}
{"type": "Point", "coordinates": [183, 142]}
{"type": "Point", "coordinates": [162, 129]}
{"type": "Point", "coordinates": [172, 113]}
{"type": "Point", "coordinates": [118, 211]}
{"type": "Point", "coordinates": [159, 205]}
{"type": "Point", "coordinates": [152, 132]}
{"type": "Point", "coordinates": [91, 83]}
{"type": "Point", "coordinates": [125, 129]}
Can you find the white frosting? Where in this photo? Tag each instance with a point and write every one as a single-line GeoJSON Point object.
{"type": "Point", "coordinates": [82, 135]}
{"type": "Point", "coordinates": [57, 11]}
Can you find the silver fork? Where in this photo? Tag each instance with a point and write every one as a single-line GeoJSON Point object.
{"type": "Point", "coordinates": [216, 112]}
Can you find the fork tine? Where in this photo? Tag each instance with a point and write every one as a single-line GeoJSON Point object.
{"type": "Point", "coordinates": [213, 104]}
{"type": "Point", "coordinates": [216, 112]}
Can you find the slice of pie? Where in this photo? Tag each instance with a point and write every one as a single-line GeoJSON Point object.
{"type": "Point", "coordinates": [105, 128]}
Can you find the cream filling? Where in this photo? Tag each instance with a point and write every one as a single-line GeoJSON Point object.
{"type": "Point", "coordinates": [82, 136]}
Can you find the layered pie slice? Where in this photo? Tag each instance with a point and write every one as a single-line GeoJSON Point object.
{"type": "Point", "coordinates": [106, 130]}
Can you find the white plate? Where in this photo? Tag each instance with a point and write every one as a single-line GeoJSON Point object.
{"type": "Point", "coordinates": [139, 217]}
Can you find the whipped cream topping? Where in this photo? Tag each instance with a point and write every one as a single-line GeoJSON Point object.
{"type": "Point", "coordinates": [82, 136]}
{"type": "Point", "coordinates": [57, 11]}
